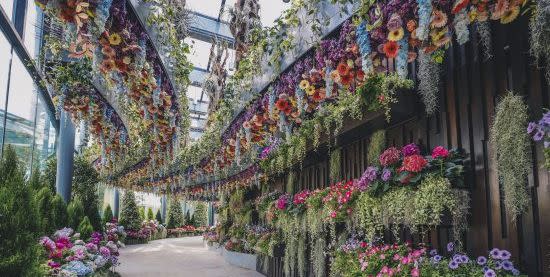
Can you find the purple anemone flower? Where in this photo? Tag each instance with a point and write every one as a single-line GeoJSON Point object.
{"type": "Point", "coordinates": [453, 265]}
{"type": "Point", "coordinates": [538, 135]}
{"type": "Point", "coordinates": [450, 246]}
{"type": "Point", "coordinates": [495, 253]}
{"type": "Point", "coordinates": [498, 265]}
{"type": "Point", "coordinates": [505, 255]}
{"type": "Point", "coordinates": [481, 260]}
{"type": "Point", "coordinates": [515, 272]}
{"type": "Point", "coordinates": [490, 273]}
{"type": "Point", "coordinates": [437, 258]}
{"type": "Point", "coordinates": [433, 252]}
{"type": "Point", "coordinates": [531, 127]}
{"type": "Point", "coordinates": [507, 265]}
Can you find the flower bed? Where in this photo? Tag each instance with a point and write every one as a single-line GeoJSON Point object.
{"type": "Point", "coordinates": [359, 258]}
{"type": "Point", "coordinates": [185, 231]}
{"type": "Point", "coordinates": [68, 255]}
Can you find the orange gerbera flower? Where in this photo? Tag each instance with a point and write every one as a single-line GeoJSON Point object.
{"type": "Point", "coordinates": [346, 80]}
{"type": "Point", "coordinates": [439, 19]}
{"type": "Point", "coordinates": [411, 25]}
{"type": "Point", "coordinates": [510, 15]}
{"type": "Point", "coordinates": [281, 104]}
{"type": "Point", "coordinates": [391, 48]}
{"type": "Point", "coordinates": [343, 69]}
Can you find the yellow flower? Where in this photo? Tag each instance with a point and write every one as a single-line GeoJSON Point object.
{"type": "Point", "coordinates": [310, 90]}
{"type": "Point", "coordinates": [126, 60]}
{"type": "Point", "coordinates": [396, 35]}
{"type": "Point", "coordinates": [304, 84]}
{"type": "Point", "coordinates": [115, 39]}
{"type": "Point", "coordinates": [510, 15]}
{"type": "Point", "coordinates": [472, 15]}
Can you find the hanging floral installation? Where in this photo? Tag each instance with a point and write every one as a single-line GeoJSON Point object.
{"type": "Point", "coordinates": [322, 88]}
{"type": "Point", "coordinates": [123, 63]}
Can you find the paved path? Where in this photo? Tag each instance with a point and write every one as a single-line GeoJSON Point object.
{"type": "Point", "coordinates": [176, 257]}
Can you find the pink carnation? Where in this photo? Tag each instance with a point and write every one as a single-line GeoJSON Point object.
{"type": "Point", "coordinates": [440, 152]}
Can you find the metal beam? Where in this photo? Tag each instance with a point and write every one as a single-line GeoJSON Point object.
{"type": "Point", "coordinates": [197, 76]}
{"type": "Point", "coordinates": [208, 29]}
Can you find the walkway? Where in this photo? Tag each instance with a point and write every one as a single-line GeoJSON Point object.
{"type": "Point", "coordinates": [176, 257]}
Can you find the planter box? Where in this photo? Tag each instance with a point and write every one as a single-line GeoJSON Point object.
{"type": "Point", "coordinates": [132, 241]}
{"type": "Point", "coordinates": [242, 260]}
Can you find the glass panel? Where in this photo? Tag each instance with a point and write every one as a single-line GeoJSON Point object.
{"type": "Point", "coordinates": [44, 136]}
{"type": "Point", "coordinates": [7, 5]}
{"type": "Point", "coordinates": [206, 7]}
{"type": "Point", "coordinates": [5, 51]}
{"type": "Point", "coordinates": [271, 10]}
{"type": "Point", "coordinates": [32, 28]}
{"type": "Point", "coordinates": [200, 52]}
{"type": "Point", "coordinates": [21, 111]}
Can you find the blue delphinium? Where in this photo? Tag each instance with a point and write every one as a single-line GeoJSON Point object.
{"type": "Point", "coordinates": [364, 46]}
{"type": "Point", "coordinates": [424, 16]}
{"type": "Point", "coordinates": [402, 57]}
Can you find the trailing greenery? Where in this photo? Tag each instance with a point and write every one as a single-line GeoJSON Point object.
{"type": "Point", "coordinates": [129, 215]}
{"type": "Point", "coordinates": [19, 227]}
{"type": "Point", "coordinates": [175, 214]}
{"type": "Point", "coordinates": [408, 207]}
{"type": "Point", "coordinates": [377, 144]}
{"type": "Point", "coordinates": [512, 151]}
{"type": "Point", "coordinates": [335, 165]}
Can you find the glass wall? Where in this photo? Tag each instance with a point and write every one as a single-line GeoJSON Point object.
{"type": "Point", "coordinates": [24, 119]}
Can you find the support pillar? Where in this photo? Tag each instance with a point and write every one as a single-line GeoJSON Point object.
{"type": "Point", "coordinates": [116, 201]}
{"type": "Point", "coordinates": [65, 157]}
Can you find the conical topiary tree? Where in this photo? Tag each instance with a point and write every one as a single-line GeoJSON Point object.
{"type": "Point", "coordinates": [142, 213]}
{"type": "Point", "coordinates": [19, 227]}
{"type": "Point", "coordinates": [129, 216]}
{"type": "Point", "coordinates": [43, 200]}
{"type": "Point", "coordinates": [85, 180]}
{"type": "Point", "coordinates": [85, 228]}
{"type": "Point", "coordinates": [200, 215]}
{"type": "Point", "coordinates": [158, 216]}
{"type": "Point", "coordinates": [107, 214]}
{"type": "Point", "coordinates": [150, 214]}
{"type": "Point", "coordinates": [175, 214]}
{"type": "Point", "coordinates": [59, 212]}
{"type": "Point", "coordinates": [75, 212]}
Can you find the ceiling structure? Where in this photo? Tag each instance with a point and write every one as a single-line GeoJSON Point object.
{"type": "Point", "coordinates": [209, 23]}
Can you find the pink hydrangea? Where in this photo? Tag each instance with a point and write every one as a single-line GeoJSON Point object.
{"type": "Point", "coordinates": [440, 152]}
{"type": "Point", "coordinates": [282, 202]}
{"type": "Point", "coordinates": [390, 156]}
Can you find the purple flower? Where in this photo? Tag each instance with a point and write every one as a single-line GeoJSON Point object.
{"type": "Point", "coordinates": [104, 251]}
{"type": "Point", "coordinates": [371, 173]}
{"type": "Point", "coordinates": [450, 246]}
{"type": "Point", "coordinates": [498, 265]}
{"type": "Point", "coordinates": [433, 252]}
{"type": "Point", "coordinates": [453, 265]}
{"type": "Point", "coordinates": [505, 255]}
{"type": "Point", "coordinates": [495, 253]}
{"type": "Point", "coordinates": [531, 127]}
{"type": "Point", "coordinates": [410, 149]}
{"type": "Point", "coordinates": [481, 260]}
{"type": "Point", "coordinates": [386, 175]}
{"type": "Point", "coordinates": [490, 273]}
{"type": "Point", "coordinates": [507, 265]}
{"type": "Point", "coordinates": [515, 272]}
{"type": "Point", "coordinates": [538, 135]}
{"type": "Point", "coordinates": [546, 144]}
{"type": "Point", "coordinates": [437, 258]}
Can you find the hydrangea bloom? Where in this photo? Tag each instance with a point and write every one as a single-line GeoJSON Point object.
{"type": "Point", "coordinates": [389, 156]}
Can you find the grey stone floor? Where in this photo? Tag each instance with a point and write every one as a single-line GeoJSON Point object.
{"type": "Point", "coordinates": [176, 257]}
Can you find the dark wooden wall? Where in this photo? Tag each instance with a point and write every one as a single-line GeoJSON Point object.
{"type": "Point", "coordinates": [470, 89]}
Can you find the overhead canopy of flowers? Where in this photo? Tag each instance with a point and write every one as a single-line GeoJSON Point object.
{"type": "Point", "coordinates": [123, 66]}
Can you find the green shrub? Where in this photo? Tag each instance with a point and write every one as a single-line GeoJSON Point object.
{"type": "Point", "coordinates": [59, 212]}
{"type": "Point", "coordinates": [129, 216]}
{"type": "Point", "coordinates": [200, 215]}
{"type": "Point", "coordinates": [43, 200]}
{"type": "Point", "coordinates": [142, 213]}
{"type": "Point", "coordinates": [158, 216]}
{"type": "Point", "coordinates": [108, 214]}
{"type": "Point", "coordinates": [150, 215]}
{"type": "Point", "coordinates": [50, 173]}
{"type": "Point", "coordinates": [75, 212]}
{"type": "Point", "coordinates": [85, 180]}
{"type": "Point", "coordinates": [175, 214]}
{"type": "Point", "coordinates": [85, 228]}
{"type": "Point", "coordinates": [19, 229]}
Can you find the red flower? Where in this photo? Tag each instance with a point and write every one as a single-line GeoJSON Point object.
{"type": "Point", "coordinates": [440, 152]}
{"type": "Point", "coordinates": [459, 5]}
{"type": "Point", "coordinates": [414, 163]}
{"type": "Point", "coordinates": [343, 69]}
{"type": "Point", "coordinates": [390, 49]}
{"type": "Point", "coordinates": [346, 79]}
{"type": "Point", "coordinates": [281, 104]}
{"type": "Point", "coordinates": [389, 156]}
